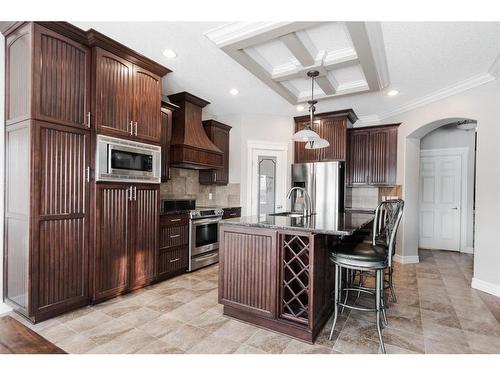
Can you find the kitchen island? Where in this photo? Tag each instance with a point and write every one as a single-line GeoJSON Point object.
{"type": "Point", "coordinates": [274, 271]}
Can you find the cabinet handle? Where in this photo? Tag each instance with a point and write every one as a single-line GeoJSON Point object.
{"type": "Point", "coordinates": [174, 220]}
{"type": "Point", "coordinates": [87, 173]}
{"type": "Point", "coordinates": [175, 260]}
{"type": "Point", "coordinates": [135, 123]}
{"type": "Point", "coordinates": [88, 119]}
{"type": "Point", "coordinates": [131, 132]}
{"type": "Point", "coordinates": [135, 193]}
{"type": "Point", "coordinates": [233, 214]}
{"type": "Point", "coordinates": [129, 190]}
{"type": "Point", "coordinates": [215, 176]}
{"type": "Point", "coordinates": [175, 235]}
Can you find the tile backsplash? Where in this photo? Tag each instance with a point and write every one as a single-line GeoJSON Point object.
{"type": "Point", "coordinates": [184, 183]}
{"type": "Point", "coordinates": [370, 197]}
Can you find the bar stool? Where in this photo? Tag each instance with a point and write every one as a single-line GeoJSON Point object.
{"type": "Point", "coordinates": [368, 257]}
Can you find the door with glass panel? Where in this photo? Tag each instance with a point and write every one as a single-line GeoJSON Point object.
{"type": "Point", "coordinates": [266, 185]}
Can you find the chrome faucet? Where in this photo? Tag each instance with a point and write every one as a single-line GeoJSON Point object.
{"type": "Point", "coordinates": [308, 202]}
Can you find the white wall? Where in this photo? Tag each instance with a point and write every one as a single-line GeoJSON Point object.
{"type": "Point", "coordinates": [483, 105]}
{"type": "Point", "coordinates": [251, 127]}
{"type": "Point", "coordinates": [3, 307]}
{"type": "Point", "coordinates": [449, 136]}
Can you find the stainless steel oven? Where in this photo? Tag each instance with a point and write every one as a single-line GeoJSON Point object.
{"type": "Point", "coordinates": [204, 237]}
{"type": "Point", "coordinates": [127, 161]}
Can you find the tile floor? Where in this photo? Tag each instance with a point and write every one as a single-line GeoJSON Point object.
{"type": "Point", "coordinates": [436, 312]}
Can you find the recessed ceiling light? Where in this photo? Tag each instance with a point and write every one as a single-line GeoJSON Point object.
{"type": "Point", "coordinates": [169, 54]}
{"type": "Point", "coordinates": [392, 92]}
{"type": "Point", "coordinates": [300, 108]}
{"type": "Point", "coordinates": [234, 92]}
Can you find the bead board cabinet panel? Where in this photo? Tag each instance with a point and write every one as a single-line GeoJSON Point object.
{"type": "Point", "coordinates": [62, 83]}
{"type": "Point", "coordinates": [173, 255]}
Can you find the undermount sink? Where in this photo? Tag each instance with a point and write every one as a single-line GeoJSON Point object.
{"type": "Point", "coordinates": [289, 214]}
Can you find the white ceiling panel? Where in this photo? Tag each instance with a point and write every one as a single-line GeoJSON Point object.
{"type": "Point", "coordinates": [348, 74]}
{"type": "Point", "coordinates": [332, 36]}
{"type": "Point", "coordinates": [274, 52]}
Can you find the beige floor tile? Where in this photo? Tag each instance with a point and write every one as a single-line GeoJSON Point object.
{"type": "Point", "coordinates": [235, 331]}
{"type": "Point", "coordinates": [139, 316]}
{"type": "Point", "coordinates": [186, 295]}
{"type": "Point", "coordinates": [163, 304]}
{"type": "Point", "coordinates": [88, 321]}
{"type": "Point", "coordinates": [159, 347]}
{"type": "Point", "coordinates": [402, 339]}
{"type": "Point", "coordinates": [72, 315]}
{"type": "Point", "coordinates": [185, 312]}
{"type": "Point", "coordinates": [108, 331]}
{"type": "Point", "coordinates": [299, 347]}
{"type": "Point", "coordinates": [269, 341]}
{"type": "Point", "coordinates": [127, 343]}
{"type": "Point", "coordinates": [247, 349]}
{"type": "Point", "coordinates": [482, 343]}
{"type": "Point", "coordinates": [209, 321]}
{"type": "Point", "coordinates": [433, 346]}
{"type": "Point", "coordinates": [120, 308]}
{"type": "Point", "coordinates": [185, 337]}
{"type": "Point", "coordinates": [56, 333]}
{"type": "Point", "coordinates": [160, 326]}
{"type": "Point", "coordinates": [352, 344]}
{"type": "Point", "coordinates": [78, 343]}
{"type": "Point", "coordinates": [214, 345]}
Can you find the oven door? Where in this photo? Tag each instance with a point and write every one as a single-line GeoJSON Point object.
{"type": "Point", "coordinates": [204, 235]}
{"type": "Point", "coordinates": [130, 161]}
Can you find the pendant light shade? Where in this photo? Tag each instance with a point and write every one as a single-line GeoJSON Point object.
{"type": "Point", "coordinates": [312, 138]}
{"type": "Point", "coordinates": [305, 135]}
{"type": "Point", "coordinates": [320, 143]}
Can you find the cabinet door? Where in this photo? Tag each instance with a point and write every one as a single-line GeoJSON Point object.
{"type": "Point", "coordinates": [145, 231]}
{"type": "Point", "coordinates": [335, 132]}
{"type": "Point", "coordinates": [383, 155]}
{"type": "Point", "coordinates": [147, 105]}
{"type": "Point", "coordinates": [113, 94]}
{"type": "Point", "coordinates": [61, 86]}
{"type": "Point", "coordinates": [302, 155]}
{"type": "Point", "coordinates": [358, 157]}
{"type": "Point", "coordinates": [60, 245]}
{"type": "Point", "coordinates": [166, 137]}
{"type": "Point", "coordinates": [112, 240]}
{"type": "Point", "coordinates": [220, 138]}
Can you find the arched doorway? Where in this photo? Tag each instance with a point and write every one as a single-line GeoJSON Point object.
{"type": "Point", "coordinates": [411, 187]}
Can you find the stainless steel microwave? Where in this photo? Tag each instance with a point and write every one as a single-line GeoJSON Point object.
{"type": "Point", "coordinates": [121, 160]}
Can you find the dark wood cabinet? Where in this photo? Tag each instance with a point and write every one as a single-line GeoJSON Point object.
{"type": "Point", "coordinates": [331, 126]}
{"type": "Point", "coordinates": [54, 214]}
{"type": "Point", "coordinates": [127, 98]}
{"type": "Point", "coordinates": [173, 255]}
{"type": "Point", "coordinates": [61, 79]}
{"type": "Point", "coordinates": [166, 138]}
{"type": "Point", "coordinates": [113, 95]}
{"type": "Point", "coordinates": [147, 104]}
{"type": "Point", "coordinates": [218, 133]}
{"type": "Point", "coordinates": [126, 243]}
{"type": "Point", "coordinates": [372, 156]}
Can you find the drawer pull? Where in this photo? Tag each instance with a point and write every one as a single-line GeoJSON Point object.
{"type": "Point", "coordinates": [175, 235]}
{"type": "Point", "coordinates": [233, 214]}
{"type": "Point", "coordinates": [175, 260]}
{"type": "Point", "coordinates": [174, 220]}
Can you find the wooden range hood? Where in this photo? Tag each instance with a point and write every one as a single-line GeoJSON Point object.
{"type": "Point", "coordinates": [190, 147]}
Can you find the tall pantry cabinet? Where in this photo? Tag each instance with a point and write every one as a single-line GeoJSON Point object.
{"type": "Point", "coordinates": [49, 189]}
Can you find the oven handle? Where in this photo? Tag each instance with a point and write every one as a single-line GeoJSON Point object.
{"type": "Point", "coordinates": [210, 255]}
{"type": "Point", "coordinates": [198, 222]}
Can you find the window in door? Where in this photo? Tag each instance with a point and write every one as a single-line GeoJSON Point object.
{"type": "Point", "coordinates": [266, 185]}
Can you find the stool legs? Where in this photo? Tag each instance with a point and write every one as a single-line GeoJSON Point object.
{"type": "Point", "coordinates": [379, 287]}
{"type": "Point", "coordinates": [338, 280]}
{"type": "Point", "coordinates": [393, 293]}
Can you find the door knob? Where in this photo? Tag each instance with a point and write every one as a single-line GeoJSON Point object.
{"type": "Point", "coordinates": [455, 208]}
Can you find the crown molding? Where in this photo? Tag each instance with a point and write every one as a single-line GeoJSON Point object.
{"type": "Point", "coordinates": [443, 93]}
{"type": "Point", "coordinates": [376, 38]}
{"type": "Point", "coordinates": [368, 120]}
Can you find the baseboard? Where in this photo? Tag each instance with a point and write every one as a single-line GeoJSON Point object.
{"type": "Point", "coordinates": [485, 286]}
{"type": "Point", "coordinates": [4, 308]}
{"type": "Point", "coordinates": [406, 259]}
{"type": "Point", "coordinates": [468, 250]}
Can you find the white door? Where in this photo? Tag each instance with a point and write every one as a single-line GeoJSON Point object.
{"type": "Point", "coordinates": [440, 198]}
{"type": "Point", "coordinates": [268, 176]}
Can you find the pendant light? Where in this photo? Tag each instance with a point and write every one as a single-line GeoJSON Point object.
{"type": "Point", "coordinates": [314, 141]}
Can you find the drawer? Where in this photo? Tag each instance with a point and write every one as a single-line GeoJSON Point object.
{"type": "Point", "coordinates": [172, 236]}
{"type": "Point", "coordinates": [231, 212]}
{"type": "Point", "coordinates": [173, 260]}
{"type": "Point", "coordinates": [204, 260]}
{"type": "Point", "coordinates": [174, 219]}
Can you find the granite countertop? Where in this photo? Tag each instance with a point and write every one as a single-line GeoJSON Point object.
{"type": "Point", "coordinates": [178, 212]}
{"type": "Point", "coordinates": [341, 224]}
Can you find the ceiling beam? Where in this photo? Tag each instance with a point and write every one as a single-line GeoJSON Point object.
{"type": "Point", "coordinates": [298, 49]}
{"type": "Point", "coordinates": [325, 85]}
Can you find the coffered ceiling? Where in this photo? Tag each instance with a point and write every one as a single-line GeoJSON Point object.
{"type": "Point", "coordinates": [349, 56]}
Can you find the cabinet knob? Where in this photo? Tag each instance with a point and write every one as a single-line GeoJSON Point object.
{"type": "Point", "coordinates": [175, 260]}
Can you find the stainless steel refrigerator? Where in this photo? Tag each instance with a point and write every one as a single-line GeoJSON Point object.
{"type": "Point", "coordinates": [325, 183]}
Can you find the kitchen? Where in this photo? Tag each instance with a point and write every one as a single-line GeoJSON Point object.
{"type": "Point", "coordinates": [146, 215]}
